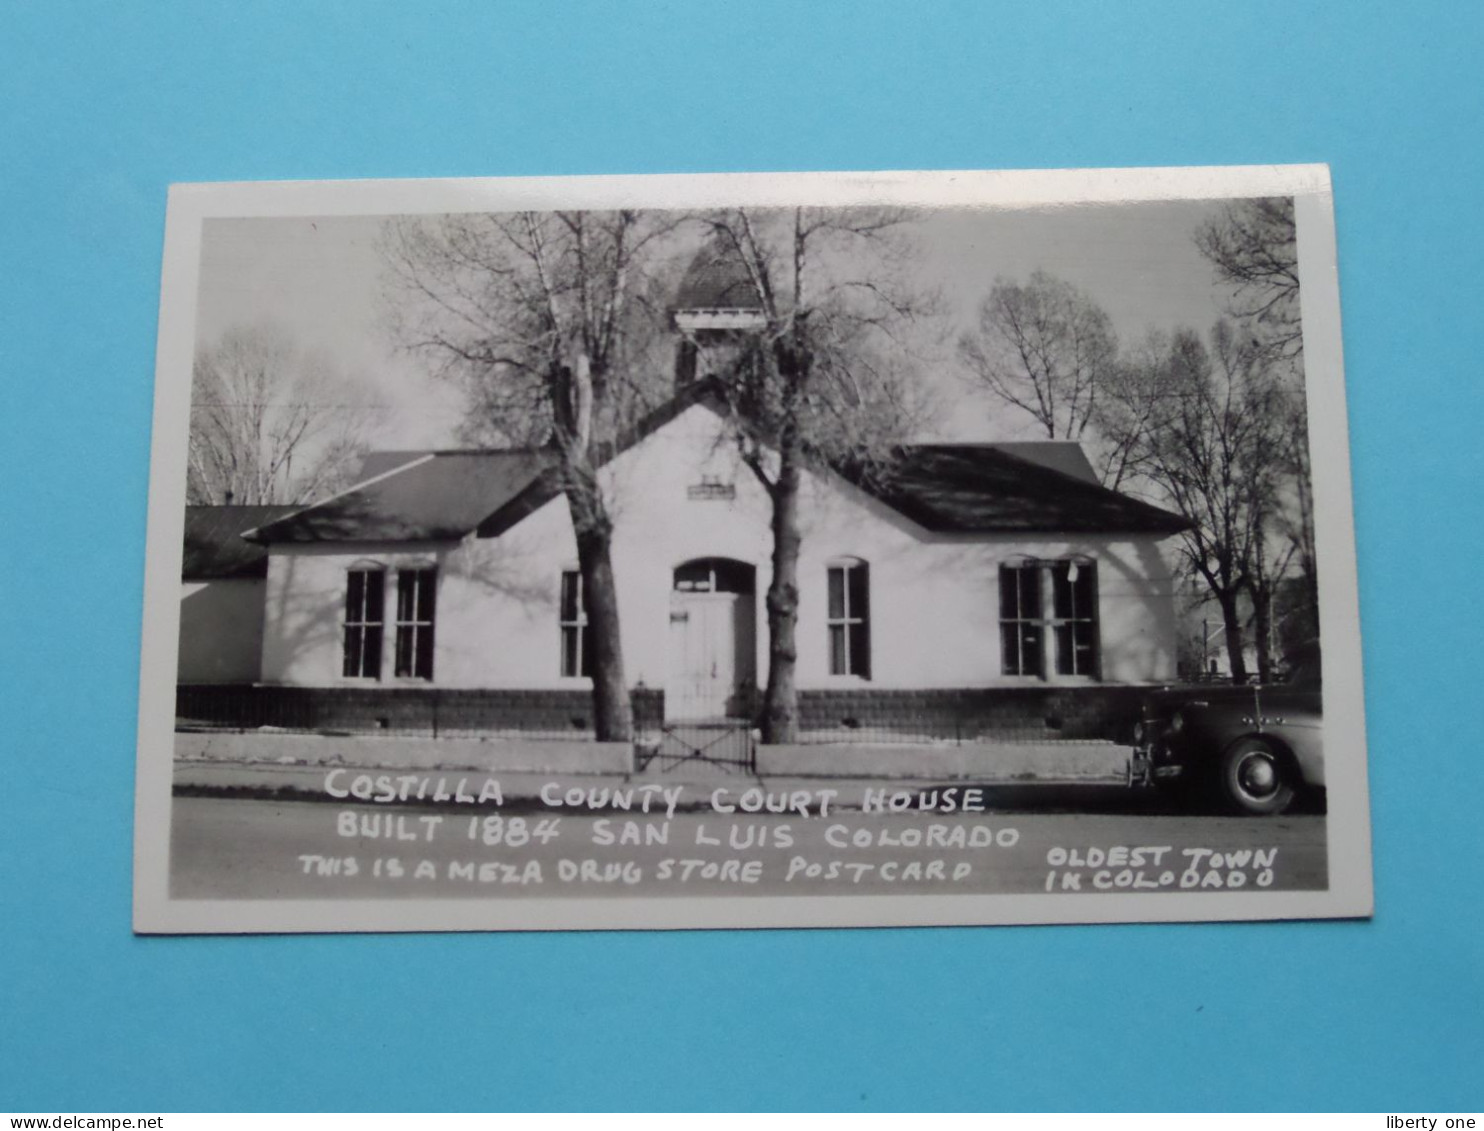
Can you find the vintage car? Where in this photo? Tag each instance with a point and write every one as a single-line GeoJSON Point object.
{"type": "Point", "coordinates": [1254, 749]}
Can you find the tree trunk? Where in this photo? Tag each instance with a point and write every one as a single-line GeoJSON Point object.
{"type": "Point", "coordinates": [1262, 629]}
{"type": "Point", "coordinates": [1231, 618]}
{"type": "Point", "coordinates": [613, 716]}
{"type": "Point", "coordinates": [781, 701]}
{"type": "Point", "coordinates": [1308, 616]}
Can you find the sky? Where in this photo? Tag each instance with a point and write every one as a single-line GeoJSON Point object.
{"type": "Point", "coordinates": [319, 279]}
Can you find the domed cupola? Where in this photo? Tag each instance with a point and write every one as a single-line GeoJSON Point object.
{"type": "Point", "coordinates": [716, 305]}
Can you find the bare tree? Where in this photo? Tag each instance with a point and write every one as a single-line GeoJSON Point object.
{"type": "Point", "coordinates": [821, 379]}
{"type": "Point", "coordinates": [547, 320]}
{"type": "Point", "coordinates": [271, 423]}
{"type": "Point", "coordinates": [1253, 245]}
{"type": "Point", "coordinates": [1202, 429]}
{"type": "Point", "coordinates": [1043, 347]}
{"type": "Point", "coordinates": [1135, 396]}
{"type": "Point", "coordinates": [1285, 606]}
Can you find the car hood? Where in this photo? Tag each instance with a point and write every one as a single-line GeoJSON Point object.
{"type": "Point", "coordinates": [1203, 692]}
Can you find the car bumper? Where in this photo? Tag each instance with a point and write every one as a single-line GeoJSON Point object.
{"type": "Point", "coordinates": [1154, 761]}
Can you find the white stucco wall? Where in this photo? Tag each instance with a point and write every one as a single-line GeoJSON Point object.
{"type": "Point", "coordinates": [935, 599]}
{"type": "Point", "coordinates": [221, 631]}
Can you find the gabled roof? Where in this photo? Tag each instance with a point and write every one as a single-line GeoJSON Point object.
{"type": "Point", "coordinates": [546, 484]}
{"type": "Point", "coordinates": [946, 488]}
{"type": "Point", "coordinates": [426, 497]}
{"type": "Point", "coordinates": [429, 496]}
{"type": "Point", "coordinates": [994, 489]}
{"type": "Point", "coordinates": [214, 548]}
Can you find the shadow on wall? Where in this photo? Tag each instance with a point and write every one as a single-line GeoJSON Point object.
{"type": "Point", "coordinates": [1136, 613]}
{"type": "Point", "coordinates": [493, 591]}
{"type": "Point", "coordinates": [302, 629]}
{"type": "Point", "coordinates": [503, 567]}
{"type": "Point", "coordinates": [484, 586]}
{"type": "Point", "coordinates": [1145, 652]}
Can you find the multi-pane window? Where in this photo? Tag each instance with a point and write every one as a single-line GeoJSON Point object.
{"type": "Point", "coordinates": [1074, 606]}
{"type": "Point", "coordinates": [364, 620]}
{"type": "Point", "coordinates": [1020, 619]}
{"type": "Point", "coordinates": [417, 591]}
{"type": "Point", "coordinates": [572, 614]}
{"type": "Point", "coordinates": [1048, 618]}
{"type": "Point", "coordinates": [849, 619]}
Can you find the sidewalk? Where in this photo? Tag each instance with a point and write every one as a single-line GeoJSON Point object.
{"type": "Point", "coordinates": [229, 769]}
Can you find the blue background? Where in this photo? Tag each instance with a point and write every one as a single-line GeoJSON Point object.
{"type": "Point", "coordinates": [103, 105]}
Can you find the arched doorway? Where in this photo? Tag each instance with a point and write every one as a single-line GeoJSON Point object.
{"type": "Point", "coordinates": [713, 640]}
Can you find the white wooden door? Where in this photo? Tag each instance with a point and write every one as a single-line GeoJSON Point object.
{"type": "Point", "coordinates": [706, 661]}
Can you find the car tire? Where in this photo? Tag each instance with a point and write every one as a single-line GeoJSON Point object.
{"type": "Point", "coordinates": [1255, 778]}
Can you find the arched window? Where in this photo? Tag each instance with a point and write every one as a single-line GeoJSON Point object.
{"type": "Point", "coordinates": [848, 617]}
{"type": "Point", "coordinates": [364, 622]}
{"type": "Point", "coordinates": [1048, 617]}
{"type": "Point", "coordinates": [417, 595]}
{"type": "Point", "coordinates": [572, 616]}
{"type": "Point", "coordinates": [1074, 625]}
{"type": "Point", "coordinates": [1021, 623]}
{"type": "Point", "coordinates": [714, 575]}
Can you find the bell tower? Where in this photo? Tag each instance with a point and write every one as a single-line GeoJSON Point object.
{"type": "Point", "coordinates": [716, 307]}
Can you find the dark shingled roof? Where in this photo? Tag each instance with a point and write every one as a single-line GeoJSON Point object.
{"type": "Point", "coordinates": [986, 489]}
{"type": "Point", "coordinates": [716, 280]}
{"type": "Point", "coordinates": [429, 497]}
{"type": "Point", "coordinates": [1040, 488]}
{"type": "Point", "coordinates": [214, 548]}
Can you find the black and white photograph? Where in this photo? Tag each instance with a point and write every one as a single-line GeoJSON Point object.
{"type": "Point", "coordinates": [751, 551]}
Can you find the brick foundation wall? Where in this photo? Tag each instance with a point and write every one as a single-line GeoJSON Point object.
{"type": "Point", "coordinates": [966, 713]}
{"type": "Point", "coordinates": [873, 713]}
{"type": "Point", "coordinates": [409, 710]}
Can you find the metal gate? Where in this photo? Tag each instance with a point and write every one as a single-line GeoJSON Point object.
{"type": "Point", "coordinates": [723, 746]}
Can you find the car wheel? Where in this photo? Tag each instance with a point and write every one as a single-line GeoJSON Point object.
{"type": "Point", "coordinates": [1254, 778]}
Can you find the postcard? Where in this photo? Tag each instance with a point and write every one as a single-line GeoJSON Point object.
{"type": "Point", "coordinates": [798, 550]}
